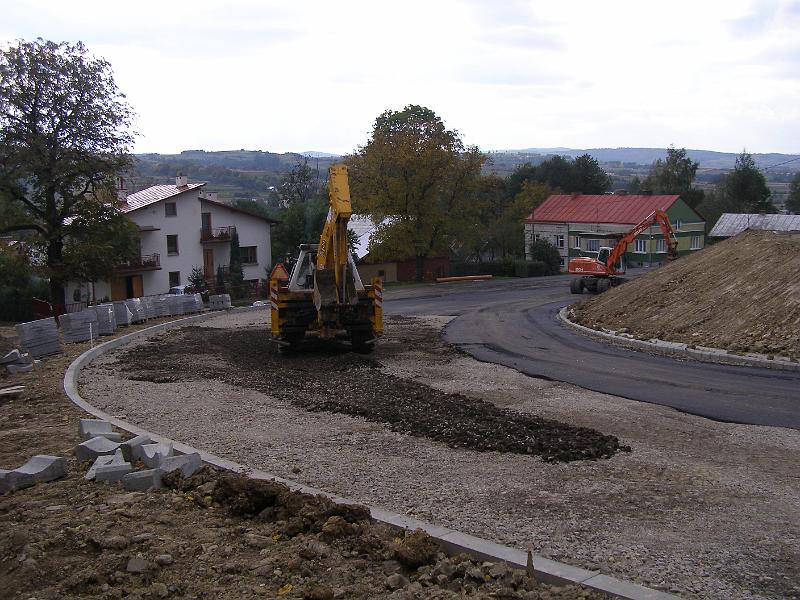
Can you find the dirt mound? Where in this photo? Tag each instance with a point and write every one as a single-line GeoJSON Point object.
{"type": "Point", "coordinates": [742, 294]}
{"type": "Point", "coordinates": [351, 384]}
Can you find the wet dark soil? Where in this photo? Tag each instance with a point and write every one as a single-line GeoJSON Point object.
{"type": "Point", "coordinates": [334, 380]}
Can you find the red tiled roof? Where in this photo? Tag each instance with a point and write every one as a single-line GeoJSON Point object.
{"type": "Point", "coordinates": [627, 209]}
{"type": "Point", "coordinates": [154, 194]}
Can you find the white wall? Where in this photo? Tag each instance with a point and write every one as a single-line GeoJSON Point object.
{"type": "Point", "coordinates": [187, 225]}
{"type": "Point", "coordinates": [252, 232]}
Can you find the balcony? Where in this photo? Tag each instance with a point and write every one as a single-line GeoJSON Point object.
{"type": "Point", "coordinates": [147, 262]}
{"type": "Point", "coordinates": [210, 235]}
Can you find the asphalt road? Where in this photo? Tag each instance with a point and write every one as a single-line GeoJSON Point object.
{"type": "Point", "coordinates": [512, 322]}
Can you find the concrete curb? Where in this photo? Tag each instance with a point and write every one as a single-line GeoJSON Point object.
{"type": "Point", "coordinates": [676, 349]}
{"type": "Point", "coordinates": [452, 541]}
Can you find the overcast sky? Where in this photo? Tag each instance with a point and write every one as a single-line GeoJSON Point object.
{"type": "Point", "coordinates": [314, 75]}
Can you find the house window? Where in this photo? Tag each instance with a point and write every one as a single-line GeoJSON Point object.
{"type": "Point", "coordinates": [381, 273]}
{"type": "Point", "coordinates": [559, 241]}
{"type": "Point", "coordinates": [561, 261]}
{"type": "Point", "coordinates": [170, 209]}
{"type": "Point", "coordinates": [174, 278]}
{"type": "Point", "coordinates": [593, 245]}
{"type": "Point", "coordinates": [695, 243]}
{"type": "Point", "coordinates": [641, 246]}
{"type": "Point", "coordinates": [172, 244]}
{"type": "Point", "coordinates": [678, 223]}
{"type": "Point", "coordinates": [577, 242]}
{"type": "Point", "coordinates": [661, 246]}
{"type": "Point", "coordinates": [248, 255]}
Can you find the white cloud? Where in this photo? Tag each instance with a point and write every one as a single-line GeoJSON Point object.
{"type": "Point", "coordinates": [314, 75]}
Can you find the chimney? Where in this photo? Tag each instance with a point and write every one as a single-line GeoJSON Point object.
{"type": "Point", "coordinates": [213, 196]}
{"type": "Point", "coordinates": [646, 192]}
{"type": "Point", "coordinates": [181, 180]}
{"type": "Point", "coordinates": [122, 193]}
{"type": "Point", "coordinates": [621, 193]}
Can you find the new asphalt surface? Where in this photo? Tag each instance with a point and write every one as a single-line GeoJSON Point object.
{"type": "Point", "coordinates": [513, 322]}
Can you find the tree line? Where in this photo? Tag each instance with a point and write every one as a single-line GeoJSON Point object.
{"type": "Point", "coordinates": [65, 135]}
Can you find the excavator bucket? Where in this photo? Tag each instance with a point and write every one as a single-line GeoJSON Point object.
{"type": "Point", "coordinates": [325, 288]}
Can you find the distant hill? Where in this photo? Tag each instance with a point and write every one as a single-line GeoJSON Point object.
{"type": "Point", "coordinates": [708, 159]}
{"type": "Point", "coordinates": [315, 154]}
{"type": "Point", "coordinates": [234, 174]}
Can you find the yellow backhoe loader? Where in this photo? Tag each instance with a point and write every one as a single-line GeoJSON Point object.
{"type": "Point", "coordinates": [325, 298]}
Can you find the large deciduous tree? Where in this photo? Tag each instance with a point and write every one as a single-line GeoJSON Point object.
{"type": "Point", "coordinates": [64, 133]}
{"type": "Point", "coordinates": [746, 187]}
{"type": "Point", "coordinates": [418, 181]}
{"type": "Point", "coordinates": [583, 175]}
{"type": "Point", "coordinates": [674, 175]}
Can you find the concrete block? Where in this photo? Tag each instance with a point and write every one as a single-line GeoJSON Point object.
{"type": "Point", "coordinates": [186, 463]}
{"type": "Point", "coordinates": [97, 446]}
{"type": "Point", "coordinates": [40, 468]}
{"type": "Point", "coordinates": [17, 368]}
{"type": "Point", "coordinates": [89, 428]}
{"type": "Point", "coordinates": [152, 455]}
{"type": "Point", "coordinates": [100, 461]}
{"type": "Point", "coordinates": [11, 357]}
{"type": "Point", "coordinates": [112, 472]}
{"type": "Point", "coordinates": [141, 481]}
{"type": "Point", "coordinates": [130, 445]}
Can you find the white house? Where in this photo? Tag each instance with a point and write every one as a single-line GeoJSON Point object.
{"type": "Point", "coordinates": [181, 227]}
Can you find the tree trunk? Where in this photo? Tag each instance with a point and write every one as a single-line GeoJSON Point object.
{"type": "Point", "coordinates": [55, 257]}
{"type": "Point", "coordinates": [420, 267]}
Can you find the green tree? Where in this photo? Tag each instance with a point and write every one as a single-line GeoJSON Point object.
{"type": "Point", "coordinates": [545, 252]}
{"type": "Point", "coordinates": [793, 200]}
{"type": "Point", "coordinates": [583, 175]}
{"type": "Point", "coordinates": [745, 189]}
{"type": "Point", "coordinates": [197, 279]}
{"type": "Point", "coordinates": [589, 177]}
{"type": "Point", "coordinates": [675, 176]}
{"type": "Point", "coordinates": [97, 240]}
{"type": "Point", "coordinates": [300, 223]}
{"type": "Point", "coordinates": [64, 131]}
{"type": "Point", "coordinates": [298, 185]}
{"type": "Point", "coordinates": [417, 179]}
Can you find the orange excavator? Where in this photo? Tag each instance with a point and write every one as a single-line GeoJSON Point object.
{"type": "Point", "coordinates": [599, 273]}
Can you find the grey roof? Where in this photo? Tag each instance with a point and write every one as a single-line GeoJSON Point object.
{"type": "Point", "coordinates": [730, 224]}
{"type": "Point", "coordinates": [154, 194]}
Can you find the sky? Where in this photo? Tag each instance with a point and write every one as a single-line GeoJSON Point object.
{"type": "Point", "coordinates": [296, 76]}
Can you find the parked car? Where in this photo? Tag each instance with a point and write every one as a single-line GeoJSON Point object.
{"type": "Point", "coordinates": [179, 290]}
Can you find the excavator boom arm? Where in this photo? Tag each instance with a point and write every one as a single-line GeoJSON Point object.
{"type": "Point", "coordinates": [657, 216]}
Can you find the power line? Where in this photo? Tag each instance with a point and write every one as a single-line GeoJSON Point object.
{"type": "Point", "coordinates": [781, 164]}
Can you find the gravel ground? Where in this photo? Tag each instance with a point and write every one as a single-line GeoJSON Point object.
{"type": "Point", "coordinates": [699, 508]}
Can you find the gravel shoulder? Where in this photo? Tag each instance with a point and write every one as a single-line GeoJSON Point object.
{"type": "Point", "coordinates": [699, 508]}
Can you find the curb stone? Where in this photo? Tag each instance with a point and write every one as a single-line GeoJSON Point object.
{"type": "Point", "coordinates": [699, 353]}
{"type": "Point", "coordinates": [452, 541]}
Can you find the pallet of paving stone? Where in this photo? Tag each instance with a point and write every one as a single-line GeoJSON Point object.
{"type": "Point", "coordinates": [106, 323]}
{"type": "Point", "coordinates": [189, 305]}
{"type": "Point", "coordinates": [79, 326]}
{"type": "Point", "coordinates": [219, 301]}
{"type": "Point", "coordinates": [40, 337]}
{"type": "Point", "coordinates": [176, 305]}
{"type": "Point", "coordinates": [198, 302]}
{"type": "Point", "coordinates": [122, 315]}
{"type": "Point", "coordinates": [137, 310]}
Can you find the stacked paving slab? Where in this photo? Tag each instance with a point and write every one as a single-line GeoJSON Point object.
{"type": "Point", "coordinates": [138, 314]}
{"type": "Point", "coordinates": [79, 326]}
{"type": "Point", "coordinates": [40, 338]}
{"type": "Point", "coordinates": [220, 301]}
{"type": "Point", "coordinates": [176, 305]}
{"type": "Point", "coordinates": [198, 302]}
{"type": "Point", "coordinates": [160, 306]}
{"type": "Point", "coordinates": [106, 323]}
{"type": "Point", "coordinates": [122, 315]}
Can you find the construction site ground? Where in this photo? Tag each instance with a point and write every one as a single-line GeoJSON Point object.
{"type": "Point", "coordinates": [740, 295]}
{"type": "Point", "coordinates": [696, 507]}
{"type": "Point", "coordinates": [213, 536]}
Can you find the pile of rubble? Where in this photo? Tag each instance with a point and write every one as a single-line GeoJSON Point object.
{"type": "Point", "coordinates": [18, 362]}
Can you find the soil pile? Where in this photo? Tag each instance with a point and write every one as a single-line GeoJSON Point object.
{"type": "Point", "coordinates": [742, 295]}
{"type": "Point", "coordinates": [348, 383]}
